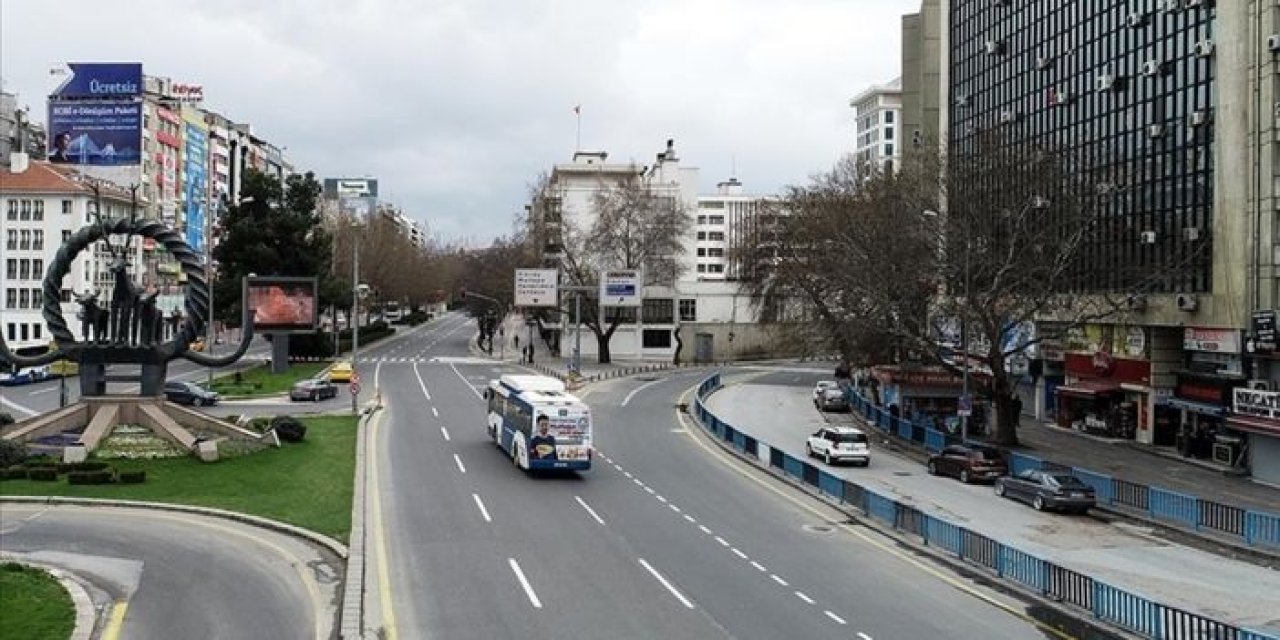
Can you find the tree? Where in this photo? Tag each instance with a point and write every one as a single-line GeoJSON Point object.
{"type": "Point", "coordinates": [274, 230]}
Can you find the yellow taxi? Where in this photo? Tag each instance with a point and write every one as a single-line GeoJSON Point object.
{"type": "Point", "coordinates": [341, 372]}
{"type": "Point", "coordinates": [198, 345]}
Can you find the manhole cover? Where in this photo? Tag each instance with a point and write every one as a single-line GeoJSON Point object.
{"type": "Point", "coordinates": [817, 528]}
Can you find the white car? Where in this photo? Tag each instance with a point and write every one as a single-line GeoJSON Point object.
{"type": "Point", "coordinates": [839, 444]}
{"type": "Point", "coordinates": [820, 390]}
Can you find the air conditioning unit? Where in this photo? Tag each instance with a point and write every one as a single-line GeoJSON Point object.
{"type": "Point", "coordinates": [993, 47]}
{"type": "Point", "coordinates": [1155, 130]}
{"type": "Point", "coordinates": [1135, 20]}
{"type": "Point", "coordinates": [1188, 302]}
{"type": "Point", "coordinates": [1152, 68]}
{"type": "Point", "coordinates": [962, 100]}
{"type": "Point", "coordinates": [1136, 303]}
{"type": "Point", "coordinates": [1273, 42]}
{"type": "Point", "coordinates": [1191, 233]}
{"type": "Point", "coordinates": [1061, 96]}
{"type": "Point", "coordinates": [1008, 116]}
{"type": "Point", "coordinates": [1259, 385]}
{"type": "Point", "coordinates": [1198, 118]}
{"type": "Point", "coordinates": [1105, 82]}
{"type": "Point", "coordinates": [1172, 5]}
{"type": "Point", "coordinates": [1147, 237]}
{"type": "Point", "coordinates": [1044, 62]}
{"type": "Point", "coordinates": [1203, 49]}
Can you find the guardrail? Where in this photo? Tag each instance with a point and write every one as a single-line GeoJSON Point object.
{"type": "Point", "coordinates": [1105, 602]}
{"type": "Point", "coordinates": [1254, 528]}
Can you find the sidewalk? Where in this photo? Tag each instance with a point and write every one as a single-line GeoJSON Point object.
{"type": "Point", "coordinates": [1135, 463]}
{"type": "Point", "coordinates": [561, 367]}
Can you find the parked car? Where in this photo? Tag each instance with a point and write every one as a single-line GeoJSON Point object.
{"type": "Point", "coordinates": [341, 372]}
{"type": "Point", "coordinates": [833, 400]}
{"type": "Point", "coordinates": [1047, 490]}
{"type": "Point", "coordinates": [189, 393]}
{"type": "Point", "coordinates": [969, 463]}
{"type": "Point", "coordinates": [23, 376]}
{"type": "Point", "coordinates": [314, 389]}
{"type": "Point", "coordinates": [820, 389]}
{"type": "Point", "coordinates": [839, 444]}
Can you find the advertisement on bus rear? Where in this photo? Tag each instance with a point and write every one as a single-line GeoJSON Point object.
{"type": "Point", "coordinates": [567, 433]}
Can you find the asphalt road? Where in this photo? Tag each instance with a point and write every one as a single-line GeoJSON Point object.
{"type": "Point", "coordinates": [182, 576]}
{"type": "Point", "coordinates": [664, 538]}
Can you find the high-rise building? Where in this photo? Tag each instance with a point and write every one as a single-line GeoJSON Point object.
{"type": "Point", "coordinates": [878, 126]}
{"type": "Point", "coordinates": [922, 87]}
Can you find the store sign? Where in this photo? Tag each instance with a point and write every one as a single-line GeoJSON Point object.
{"type": "Point", "coordinates": [1213, 340]}
{"type": "Point", "coordinates": [1261, 404]}
{"type": "Point", "coordinates": [1103, 364]}
{"type": "Point", "coordinates": [1200, 392]}
{"type": "Point", "coordinates": [191, 93]}
{"type": "Point", "coordinates": [536, 288]}
{"type": "Point", "coordinates": [1264, 331]}
{"type": "Point", "coordinates": [1135, 343]}
{"type": "Point", "coordinates": [621, 288]}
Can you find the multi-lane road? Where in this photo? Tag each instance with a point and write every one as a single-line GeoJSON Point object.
{"type": "Point", "coordinates": [664, 538]}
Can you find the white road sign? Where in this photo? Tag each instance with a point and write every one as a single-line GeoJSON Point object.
{"type": "Point", "coordinates": [621, 288]}
{"type": "Point", "coordinates": [536, 287]}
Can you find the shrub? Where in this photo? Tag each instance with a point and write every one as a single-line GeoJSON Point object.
{"type": "Point", "coordinates": [289, 429]}
{"type": "Point", "coordinates": [65, 467]}
{"type": "Point", "coordinates": [132, 477]}
{"type": "Point", "coordinates": [100, 476]}
{"type": "Point", "coordinates": [13, 473]}
{"type": "Point", "coordinates": [42, 460]}
{"type": "Point", "coordinates": [12, 452]}
{"type": "Point", "coordinates": [42, 474]}
{"type": "Point", "coordinates": [6, 419]}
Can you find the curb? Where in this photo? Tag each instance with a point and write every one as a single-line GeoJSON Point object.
{"type": "Point", "coordinates": [351, 616]}
{"type": "Point", "coordinates": [86, 612]}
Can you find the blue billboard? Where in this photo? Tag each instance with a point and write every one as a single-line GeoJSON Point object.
{"type": "Point", "coordinates": [196, 154]}
{"type": "Point", "coordinates": [101, 80]}
{"type": "Point", "coordinates": [106, 134]}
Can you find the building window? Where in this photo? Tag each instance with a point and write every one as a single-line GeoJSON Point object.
{"type": "Point", "coordinates": [66, 235]}
{"type": "Point", "coordinates": [66, 207]}
{"type": "Point", "coordinates": [37, 269]}
{"type": "Point", "coordinates": [688, 310]}
{"type": "Point", "coordinates": [37, 330]}
{"type": "Point", "coordinates": [24, 269]}
{"type": "Point", "coordinates": [13, 328]}
{"type": "Point", "coordinates": [37, 242]}
{"type": "Point", "coordinates": [25, 332]}
{"type": "Point", "coordinates": [37, 210]}
{"type": "Point", "coordinates": [13, 210]}
{"type": "Point", "coordinates": [25, 210]}
{"type": "Point", "coordinates": [717, 236]}
{"type": "Point", "coordinates": [702, 219]}
{"type": "Point", "coordinates": [24, 298]}
{"type": "Point", "coordinates": [702, 268]}
{"type": "Point", "coordinates": [11, 268]}
{"type": "Point", "coordinates": [715, 252]}
{"type": "Point", "coordinates": [711, 204]}
{"type": "Point", "coordinates": [66, 295]}
{"type": "Point", "coordinates": [888, 133]}
{"type": "Point", "coordinates": [888, 150]}
{"type": "Point", "coordinates": [11, 301]}
{"type": "Point", "coordinates": [657, 338]}
{"type": "Point", "coordinates": [888, 117]}
{"type": "Point", "coordinates": [658, 310]}
{"type": "Point", "coordinates": [715, 219]}
{"type": "Point", "coordinates": [25, 242]}
{"type": "Point", "coordinates": [715, 268]}
{"type": "Point", "coordinates": [702, 235]}
{"type": "Point", "coordinates": [702, 253]}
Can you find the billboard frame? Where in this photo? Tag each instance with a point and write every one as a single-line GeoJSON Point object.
{"type": "Point", "coordinates": [635, 279]}
{"type": "Point", "coordinates": [258, 281]}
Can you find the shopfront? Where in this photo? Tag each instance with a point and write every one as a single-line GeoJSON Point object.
{"type": "Point", "coordinates": [929, 394]}
{"type": "Point", "coordinates": [1105, 395]}
{"type": "Point", "coordinates": [1204, 396]}
{"type": "Point", "coordinates": [1254, 434]}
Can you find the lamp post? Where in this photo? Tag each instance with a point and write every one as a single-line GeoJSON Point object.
{"type": "Point", "coordinates": [355, 320]}
{"type": "Point", "coordinates": [966, 404]}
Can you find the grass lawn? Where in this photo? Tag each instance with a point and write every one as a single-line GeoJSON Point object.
{"type": "Point", "coordinates": [38, 607]}
{"type": "Point", "coordinates": [308, 484]}
{"type": "Point", "coordinates": [259, 381]}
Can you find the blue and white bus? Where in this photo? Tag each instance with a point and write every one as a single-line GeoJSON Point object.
{"type": "Point", "coordinates": [539, 424]}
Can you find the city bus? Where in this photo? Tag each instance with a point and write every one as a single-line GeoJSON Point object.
{"type": "Point", "coordinates": [392, 312]}
{"type": "Point", "coordinates": [538, 424]}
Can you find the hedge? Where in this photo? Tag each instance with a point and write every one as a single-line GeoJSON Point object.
{"type": "Point", "coordinates": [43, 474]}
{"type": "Point", "coordinates": [13, 473]}
{"type": "Point", "coordinates": [100, 476]}
{"type": "Point", "coordinates": [132, 477]}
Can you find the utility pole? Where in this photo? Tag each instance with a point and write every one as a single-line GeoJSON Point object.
{"type": "Point", "coordinates": [355, 321]}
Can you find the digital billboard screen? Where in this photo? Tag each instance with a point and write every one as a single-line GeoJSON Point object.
{"type": "Point", "coordinates": [282, 304]}
{"type": "Point", "coordinates": [95, 133]}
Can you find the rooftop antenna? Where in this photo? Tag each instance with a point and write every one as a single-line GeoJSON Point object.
{"type": "Point", "coordinates": [733, 165]}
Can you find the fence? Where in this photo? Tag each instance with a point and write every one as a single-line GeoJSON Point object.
{"type": "Point", "coordinates": [1105, 602]}
{"type": "Point", "coordinates": [1254, 528]}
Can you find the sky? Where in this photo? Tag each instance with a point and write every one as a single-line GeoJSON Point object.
{"type": "Point", "coordinates": [457, 105]}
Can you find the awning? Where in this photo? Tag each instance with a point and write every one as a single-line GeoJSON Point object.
{"type": "Point", "coordinates": [1197, 407]}
{"type": "Point", "coordinates": [1089, 388]}
{"type": "Point", "coordinates": [1255, 425]}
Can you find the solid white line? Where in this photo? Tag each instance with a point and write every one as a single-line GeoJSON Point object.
{"type": "Point", "coordinates": [674, 508]}
{"type": "Point", "coordinates": [444, 432]}
{"type": "Point", "coordinates": [589, 509]}
{"type": "Point", "coordinates": [464, 380]}
{"type": "Point", "coordinates": [757, 565]}
{"type": "Point", "coordinates": [435, 413]}
{"type": "Point", "coordinates": [739, 553]}
{"type": "Point", "coordinates": [704, 529]}
{"type": "Point", "coordinates": [420, 382]}
{"type": "Point", "coordinates": [9, 403]}
{"type": "Point", "coordinates": [49, 390]}
{"type": "Point", "coordinates": [662, 499]}
{"type": "Point", "coordinates": [638, 390]}
{"type": "Point", "coordinates": [650, 490]}
{"type": "Point", "coordinates": [459, 461]}
{"type": "Point", "coordinates": [864, 636]}
{"type": "Point", "coordinates": [480, 505]}
{"type": "Point", "coordinates": [835, 617]}
{"type": "Point", "coordinates": [778, 580]}
{"type": "Point", "coordinates": [722, 541]}
{"type": "Point", "coordinates": [524, 582]}
{"type": "Point", "coordinates": [628, 475]}
{"type": "Point", "coordinates": [637, 481]}
{"type": "Point", "coordinates": [690, 518]}
{"type": "Point", "coordinates": [679, 596]}
{"type": "Point", "coordinates": [802, 596]}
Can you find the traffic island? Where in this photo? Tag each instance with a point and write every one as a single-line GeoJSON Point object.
{"type": "Point", "coordinates": [259, 381]}
{"type": "Point", "coordinates": [38, 606]}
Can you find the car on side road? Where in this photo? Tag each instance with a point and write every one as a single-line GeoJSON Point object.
{"type": "Point", "coordinates": [189, 393]}
{"type": "Point", "coordinates": [969, 463]}
{"type": "Point", "coordinates": [839, 444]}
{"type": "Point", "coordinates": [833, 400]}
{"type": "Point", "coordinates": [23, 376]}
{"type": "Point", "coordinates": [1048, 490]}
{"type": "Point", "coordinates": [341, 372]}
{"type": "Point", "coordinates": [820, 389]}
{"type": "Point", "coordinates": [313, 389]}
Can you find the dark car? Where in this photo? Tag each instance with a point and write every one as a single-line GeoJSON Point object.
{"type": "Point", "coordinates": [314, 390]}
{"type": "Point", "coordinates": [1048, 490]}
{"type": "Point", "coordinates": [969, 463]}
{"type": "Point", "coordinates": [188, 393]}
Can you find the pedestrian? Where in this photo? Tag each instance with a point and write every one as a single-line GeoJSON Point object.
{"type": "Point", "coordinates": [517, 341]}
{"type": "Point", "coordinates": [531, 354]}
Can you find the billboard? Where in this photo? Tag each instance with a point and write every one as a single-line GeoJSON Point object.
{"type": "Point", "coordinates": [536, 288]}
{"type": "Point", "coordinates": [104, 134]}
{"type": "Point", "coordinates": [101, 80]}
{"type": "Point", "coordinates": [282, 304]}
{"type": "Point", "coordinates": [195, 179]}
{"type": "Point", "coordinates": [621, 288]}
{"type": "Point", "coordinates": [338, 188]}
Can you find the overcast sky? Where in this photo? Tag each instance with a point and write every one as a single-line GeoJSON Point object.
{"type": "Point", "coordinates": [455, 105]}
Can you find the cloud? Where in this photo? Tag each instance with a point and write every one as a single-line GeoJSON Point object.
{"type": "Point", "coordinates": [456, 105]}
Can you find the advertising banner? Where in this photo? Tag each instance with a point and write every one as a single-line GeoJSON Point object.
{"type": "Point", "coordinates": [1212, 340]}
{"type": "Point", "coordinates": [95, 133]}
{"type": "Point", "coordinates": [536, 288]}
{"type": "Point", "coordinates": [621, 288]}
{"type": "Point", "coordinates": [101, 80]}
{"type": "Point", "coordinates": [1257, 403]}
{"type": "Point", "coordinates": [282, 304]}
{"type": "Point", "coordinates": [194, 175]}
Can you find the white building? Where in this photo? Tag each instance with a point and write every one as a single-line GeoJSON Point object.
{"type": "Point", "coordinates": [40, 206]}
{"type": "Point", "coordinates": [878, 126]}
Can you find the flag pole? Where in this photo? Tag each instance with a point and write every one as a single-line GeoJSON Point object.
{"type": "Point", "coordinates": [577, 114]}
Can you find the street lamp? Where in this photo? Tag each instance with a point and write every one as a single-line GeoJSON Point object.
{"type": "Point", "coordinates": [966, 403]}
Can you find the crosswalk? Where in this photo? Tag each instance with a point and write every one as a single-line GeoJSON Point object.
{"type": "Point", "coordinates": [422, 360]}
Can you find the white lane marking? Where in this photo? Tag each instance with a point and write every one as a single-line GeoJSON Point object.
{"type": "Point", "coordinates": [674, 508]}
{"type": "Point", "coordinates": [9, 403]}
{"type": "Point", "coordinates": [49, 390]}
{"type": "Point", "coordinates": [679, 596]}
{"type": "Point", "coordinates": [690, 518]}
{"type": "Point", "coordinates": [758, 566]}
{"type": "Point", "coordinates": [650, 490]}
{"type": "Point", "coordinates": [458, 460]}
{"type": "Point", "coordinates": [802, 596]}
{"type": "Point", "coordinates": [524, 582]}
{"type": "Point", "coordinates": [444, 432]}
{"type": "Point", "coordinates": [638, 390]}
{"type": "Point", "coordinates": [661, 499]}
{"type": "Point", "coordinates": [589, 509]}
{"type": "Point", "coordinates": [617, 466]}
{"type": "Point", "coordinates": [637, 481]}
{"type": "Point", "coordinates": [739, 553]}
{"type": "Point", "coordinates": [628, 475]}
{"type": "Point", "coordinates": [420, 382]}
{"type": "Point", "coordinates": [722, 541]}
{"type": "Point", "coordinates": [480, 505]}
{"type": "Point", "coordinates": [835, 617]}
{"type": "Point", "coordinates": [704, 529]}
{"type": "Point", "coordinates": [778, 580]}
{"type": "Point", "coordinates": [464, 380]}
{"type": "Point", "coordinates": [434, 413]}
{"type": "Point", "coordinates": [864, 636]}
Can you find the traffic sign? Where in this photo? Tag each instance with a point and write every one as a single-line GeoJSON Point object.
{"type": "Point", "coordinates": [355, 388]}
{"type": "Point", "coordinates": [965, 406]}
{"type": "Point", "coordinates": [536, 288]}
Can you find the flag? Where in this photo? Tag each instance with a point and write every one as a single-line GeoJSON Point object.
{"type": "Point", "coordinates": [577, 109]}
